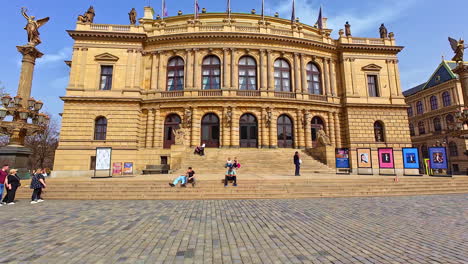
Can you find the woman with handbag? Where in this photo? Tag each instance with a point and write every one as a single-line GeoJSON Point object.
{"type": "Point", "coordinates": [12, 183]}
{"type": "Point", "coordinates": [37, 183]}
{"type": "Point", "coordinates": [297, 163]}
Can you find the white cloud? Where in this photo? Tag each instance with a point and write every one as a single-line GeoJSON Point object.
{"type": "Point", "coordinates": [59, 57]}
{"type": "Point", "coordinates": [361, 22]}
{"type": "Point", "coordinates": [59, 83]}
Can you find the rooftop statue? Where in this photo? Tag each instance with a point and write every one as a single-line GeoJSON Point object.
{"type": "Point", "coordinates": [347, 29]}
{"type": "Point", "coordinates": [132, 16]}
{"type": "Point", "coordinates": [459, 49]}
{"type": "Point", "coordinates": [87, 17]}
{"type": "Point", "coordinates": [32, 27]}
{"type": "Point", "coordinates": [383, 31]}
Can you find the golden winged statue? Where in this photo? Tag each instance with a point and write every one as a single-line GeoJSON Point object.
{"type": "Point", "coordinates": [33, 27]}
{"type": "Point", "coordinates": [459, 49]}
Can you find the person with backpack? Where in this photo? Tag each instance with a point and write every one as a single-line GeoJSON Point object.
{"type": "Point", "coordinates": [37, 183]}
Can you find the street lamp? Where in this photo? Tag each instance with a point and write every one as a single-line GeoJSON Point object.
{"type": "Point", "coordinates": [38, 105]}
{"type": "Point", "coordinates": [31, 103]}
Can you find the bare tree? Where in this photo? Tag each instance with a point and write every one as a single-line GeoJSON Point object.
{"type": "Point", "coordinates": [43, 146]}
{"type": "Point", "coordinates": [3, 138]}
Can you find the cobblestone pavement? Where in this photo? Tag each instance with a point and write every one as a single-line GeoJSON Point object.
{"type": "Point", "coordinates": [422, 229]}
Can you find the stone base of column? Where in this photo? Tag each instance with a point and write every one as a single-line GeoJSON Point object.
{"type": "Point", "coordinates": [17, 157]}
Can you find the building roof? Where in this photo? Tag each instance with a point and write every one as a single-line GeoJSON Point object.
{"type": "Point", "coordinates": [443, 73]}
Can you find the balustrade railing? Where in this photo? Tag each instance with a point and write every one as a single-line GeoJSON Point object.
{"type": "Point", "coordinates": [317, 97]}
{"type": "Point", "coordinates": [210, 93]}
{"type": "Point", "coordinates": [170, 94]}
{"type": "Point", "coordinates": [285, 95]}
{"type": "Point", "coordinates": [248, 93]}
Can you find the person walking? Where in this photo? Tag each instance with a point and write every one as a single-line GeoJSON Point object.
{"type": "Point", "coordinates": [37, 183]}
{"type": "Point", "coordinates": [3, 175]}
{"type": "Point", "coordinates": [12, 183]}
{"type": "Point", "coordinates": [297, 163]}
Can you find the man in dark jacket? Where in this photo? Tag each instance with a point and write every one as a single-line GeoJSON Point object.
{"type": "Point", "coordinates": [297, 163]}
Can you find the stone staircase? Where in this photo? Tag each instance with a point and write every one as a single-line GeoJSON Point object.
{"type": "Point", "coordinates": [253, 161]}
{"type": "Point", "coordinates": [276, 188]}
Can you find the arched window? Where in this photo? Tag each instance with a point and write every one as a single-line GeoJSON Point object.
{"type": "Point", "coordinates": [175, 74]}
{"type": "Point", "coordinates": [434, 103]}
{"type": "Point", "coordinates": [446, 98]}
{"type": "Point", "coordinates": [437, 125]}
{"type": "Point", "coordinates": [314, 80]}
{"type": "Point", "coordinates": [247, 73]}
{"type": "Point", "coordinates": [424, 151]}
{"type": "Point", "coordinates": [453, 150]}
{"type": "Point", "coordinates": [419, 108]}
{"type": "Point", "coordinates": [211, 73]}
{"type": "Point", "coordinates": [410, 111]}
{"type": "Point", "coordinates": [411, 130]}
{"type": "Point", "coordinates": [379, 132]}
{"type": "Point", "coordinates": [449, 120]}
{"type": "Point", "coordinates": [100, 128]}
{"type": "Point", "coordinates": [282, 76]}
{"type": "Point", "coordinates": [421, 128]}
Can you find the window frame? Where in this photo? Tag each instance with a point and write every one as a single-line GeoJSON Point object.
{"type": "Point", "coordinates": [211, 77]}
{"type": "Point", "coordinates": [434, 102]}
{"type": "Point", "coordinates": [419, 108]}
{"type": "Point", "coordinates": [100, 134]}
{"type": "Point", "coordinates": [437, 125]}
{"type": "Point", "coordinates": [409, 111]}
{"type": "Point", "coordinates": [247, 77]}
{"type": "Point", "coordinates": [419, 128]}
{"type": "Point", "coordinates": [381, 128]}
{"type": "Point", "coordinates": [310, 78]}
{"type": "Point", "coordinates": [101, 75]}
{"type": "Point", "coordinates": [453, 149]}
{"type": "Point", "coordinates": [281, 79]}
{"type": "Point", "coordinates": [175, 78]}
{"type": "Point", "coordinates": [376, 85]}
{"type": "Point", "coordinates": [446, 99]}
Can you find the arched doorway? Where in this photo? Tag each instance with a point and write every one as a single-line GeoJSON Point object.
{"type": "Point", "coordinates": [285, 132]}
{"type": "Point", "coordinates": [171, 123]}
{"type": "Point", "coordinates": [248, 131]}
{"type": "Point", "coordinates": [210, 130]}
{"type": "Point", "coordinates": [317, 124]}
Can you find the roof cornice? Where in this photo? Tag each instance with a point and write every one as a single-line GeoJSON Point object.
{"type": "Point", "coordinates": [109, 35]}
{"type": "Point", "coordinates": [372, 48]}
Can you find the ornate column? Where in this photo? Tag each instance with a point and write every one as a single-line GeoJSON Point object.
{"type": "Point", "coordinates": [189, 71]}
{"type": "Point", "coordinates": [270, 71]}
{"type": "Point", "coordinates": [149, 128]}
{"type": "Point", "coordinates": [234, 79]}
{"type": "Point", "coordinates": [308, 129]}
{"type": "Point", "coordinates": [300, 129]}
{"type": "Point", "coordinates": [326, 76]}
{"type": "Point", "coordinates": [74, 69]}
{"type": "Point", "coordinates": [84, 57]}
{"type": "Point", "coordinates": [226, 79]}
{"type": "Point", "coordinates": [273, 130]}
{"type": "Point", "coordinates": [331, 128]}
{"type": "Point", "coordinates": [161, 72]}
{"type": "Point", "coordinates": [462, 71]}
{"type": "Point", "coordinates": [234, 128]}
{"type": "Point", "coordinates": [226, 129]}
{"type": "Point", "coordinates": [333, 77]}
{"type": "Point", "coordinates": [195, 131]}
{"type": "Point", "coordinates": [304, 75]}
{"type": "Point", "coordinates": [157, 128]}
{"type": "Point", "coordinates": [397, 78]}
{"type": "Point", "coordinates": [337, 129]}
{"type": "Point", "coordinates": [263, 71]}
{"type": "Point", "coordinates": [196, 69]}
{"type": "Point", "coordinates": [154, 72]}
{"type": "Point", "coordinates": [142, 129]}
{"type": "Point", "coordinates": [128, 70]}
{"type": "Point", "coordinates": [30, 54]}
{"type": "Point", "coordinates": [297, 74]}
{"type": "Point", "coordinates": [137, 72]}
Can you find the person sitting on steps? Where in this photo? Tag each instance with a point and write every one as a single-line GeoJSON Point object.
{"type": "Point", "coordinates": [191, 176]}
{"type": "Point", "coordinates": [228, 163]}
{"type": "Point", "coordinates": [235, 164]}
{"type": "Point", "coordinates": [182, 179]}
{"type": "Point", "coordinates": [200, 150]}
{"type": "Point", "coordinates": [231, 175]}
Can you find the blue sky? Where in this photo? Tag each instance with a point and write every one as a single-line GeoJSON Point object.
{"type": "Point", "coordinates": [422, 26]}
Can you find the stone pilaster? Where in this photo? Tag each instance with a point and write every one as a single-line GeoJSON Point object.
{"type": "Point", "coordinates": [162, 72]}
{"type": "Point", "coordinates": [264, 129]}
{"type": "Point", "coordinates": [234, 77]}
{"type": "Point", "coordinates": [337, 129]}
{"type": "Point", "coordinates": [142, 129]}
{"type": "Point", "coordinates": [30, 54]}
{"type": "Point", "coordinates": [308, 130]}
{"type": "Point", "coordinates": [297, 74]}
{"type": "Point", "coordinates": [149, 128]}
{"type": "Point", "coordinates": [270, 71]}
{"type": "Point", "coordinates": [189, 70]}
{"type": "Point", "coordinates": [154, 72]}
{"type": "Point", "coordinates": [462, 71]}
{"type": "Point", "coordinates": [196, 70]}
{"type": "Point", "coordinates": [196, 126]}
{"type": "Point", "coordinates": [331, 128]}
{"type": "Point", "coordinates": [128, 69]}
{"type": "Point", "coordinates": [263, 71]}
{"type": "Point", "coordinates": [234, 128]}
{"type": "Point", "coordinates": [300, 129]}
{"type": "Point", "coordinates": [333, 77]}
{"type": "Point", "coordinates": [226, 130]}
{"type": "Point", "coordinates": [157, 128]}
{"type": "Point", "coordinates": [84, 58]}
{"type": "Point", "coordinates": [326, 80]}
{"type": "Point", "coordinates": [273, 130]}
{"type": "Point", "coordinates": [136, 84]}
{"type": "Point", "coordinates": [226, 79]}
{"type": "Point", "coordinates": [303, 75]}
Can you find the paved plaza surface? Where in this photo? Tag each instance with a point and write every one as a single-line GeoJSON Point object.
{"type": "Point", "coordinates": [420, 229]}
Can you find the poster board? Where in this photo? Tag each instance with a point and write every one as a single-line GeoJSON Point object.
{"type": "Point", "coordinates": [410, 158]}
{"type": "Point", "coordinates": [116, 168]}
{"type": "Point", "coordinates": [386, 161]}
{"type": "Point", "coordinates": [438, 161]}
{"type": "Point", "coordinates": [342, 159]}
{"type": "Point", "coordinates": [103, 162]}
{"type": "Point", "coordinates": [128, 168]}
{"type": "Point", "coordinates": [364, 161]}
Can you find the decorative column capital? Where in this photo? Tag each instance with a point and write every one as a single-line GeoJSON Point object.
{"type": "Point", "coordinates": [29, 51]}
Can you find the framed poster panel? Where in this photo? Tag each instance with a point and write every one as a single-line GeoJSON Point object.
{"type": "Point", "coordinates": [342, 158]}
{"type": "Point", "coordinates": [410, 158]}
{"type": "Point", "coordinates": [386, 160]}
{"type": "Point", "coordinates": [128, 168]}
{"type": "Point", "coordinates": [116, 168]}
{"type": "Point", "coordinates": [364, 158]}
{"type": "Point", "coordinates": [438, 158]}
{"type": "Point", "coordinates": [103, 161]}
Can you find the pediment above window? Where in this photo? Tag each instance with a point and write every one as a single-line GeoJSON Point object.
{"type": "Point", "coordinates": [106, 57]}
{"type": "Point", "coordinates": [372, 67]}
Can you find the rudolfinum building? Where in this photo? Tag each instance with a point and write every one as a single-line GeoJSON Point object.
{"type": "Point", "coordinates": [152, 90]}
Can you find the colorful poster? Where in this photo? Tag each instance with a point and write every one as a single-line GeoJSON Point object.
{"type": "Point", "coordinates": [128, 168]}
{"type": "Point", "coordinates": [364, 158]}
{"type": "Point", "coordinates": [410, 158]}
{"type": "Point", "coordinates": [342, 158]}
{"type": "Point", "coordinates": [438, 156]}
{"type": "Point", "coordinates": [117, 168]}
{"type": "Point", "coordinates": [386, 160]}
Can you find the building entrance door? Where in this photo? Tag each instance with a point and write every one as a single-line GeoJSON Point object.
{"type": "Point", "coordinates": [171, 123]}
{"type": "Point", "coordinates": [317, 124]}
{"type": "Point", "coordinates": [248, 131]}
{"type": "Point", "coordinates": [285, 132]}
{"type": "Point", "coordinates": [210, 130]}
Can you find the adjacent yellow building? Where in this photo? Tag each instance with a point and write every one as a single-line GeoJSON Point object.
{"type": "Point", "coordinates": [431, 110]}
{"type": "Point", "coordinates": [238, 82]}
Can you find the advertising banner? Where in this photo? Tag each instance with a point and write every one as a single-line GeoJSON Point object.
{"type": "Point", "coordinates": [117, 168]}
{"type": "Point", "coordinates": [386, 160]}
{"type": "Point", "coordinates": [364, 158]}
{"type": "Point", "coordinates": [438, 156]}
{"type": "Point", "coordinates": [410, 158]}
{"type": "Point", "coordinates": [128, 168]}
{"type": "Point", "coordinates": [342, 158]}
{"type": "Point", "coordinates": [103, 158]}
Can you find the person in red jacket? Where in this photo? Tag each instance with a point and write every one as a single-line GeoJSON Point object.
{"type": "Point", "coordinates": [3, 175]}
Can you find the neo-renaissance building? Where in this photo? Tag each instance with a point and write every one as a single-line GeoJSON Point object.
{"type": "Point", "coordinates": [238, 82]}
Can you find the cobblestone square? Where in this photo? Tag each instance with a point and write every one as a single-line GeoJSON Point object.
{"type": "Point", "coordinates": [421, 229]}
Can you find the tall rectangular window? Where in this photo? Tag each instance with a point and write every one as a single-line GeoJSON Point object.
{"type": "Point", "coordinates": [106, 77]}
{"type": "Point", "coordinates": [373, 85]}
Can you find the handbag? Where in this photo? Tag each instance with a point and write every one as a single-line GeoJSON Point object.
{"type": "Point", "coordinates": [300, 161]}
